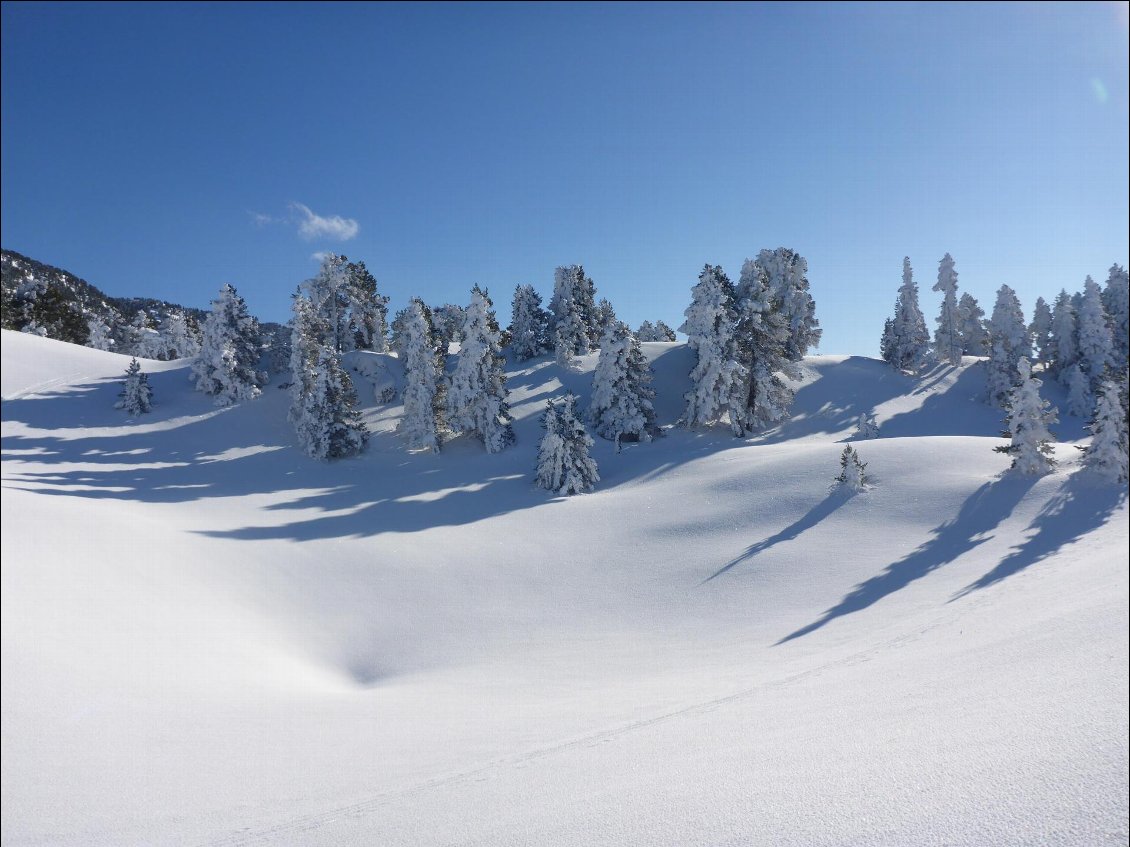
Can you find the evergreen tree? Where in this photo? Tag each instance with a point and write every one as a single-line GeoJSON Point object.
{"type": "Point", "coordinates": [564, 464]}
{"type": "Point", "coordinates": [906, 339]}
{"type": "Point", "coordinates": [605, 317]}
{"type": "Point", "coordinates": [887, 341]}
{"type": "Point", "coordinates": [646, 332]}
{"type": "Point", "coordinates": [853, 476]}
{"type": "Point", "coordinates": [529, 324]}
{"type": "Point", "coordinates": [785, 273]}
{"type": "Point", "coordinates": [718, 380]}
{"type": "Point", "coordinates": [1096, 348]}
{"type": "Point", "coordinates": [1079, 397]}
{"type": "Point", "coordinates": [947, 337]}
{"type": "Point", "coordinates": [177, 338]}
{"type": "Point", "coordinates": [422, 424]}
{"type": "Point", "coordinates": [1040, 331]}
{"type": "Point", "coordinates": [1109, 450]}
{"type": "Point", "coordinates": [1116, 301]}
{"type": "Point", "coordinates": [867, 427]}
{"type": "Point", "coordinates": [225, 365]}
{"type": "Point", "coordinates": [1029, 417]}
{"type": "Point", "coordinates": [99, 334]}
{"type": "Point", "coordinates": [1063, 352]}
{"type": "Point", "coordinates": [144, 340]}
{"type": "Point", "coordinates": [1010, 344]}
{"type": "Point", "coordinates": [621, 407]}
{"type": "Point", "coordinates": [368, 310]}
{"type": "Point", "coordinates": [571, 313]}
{"type": "Point", "coordinates": [659, 331]}
{"type": "Point", "coordinates": [447, 324]}
{"type": "Point", "coordinates": [476, 398]}
{"type": "Point", "coordinates": [330, 296]}
{"type": "Point", "coordinates": [974, 336]}
{"type": "Point", "coordinates": [136, 396]}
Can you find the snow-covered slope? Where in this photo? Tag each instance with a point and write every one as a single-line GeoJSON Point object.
{"type": "Point", "coordinates": [210, 639]}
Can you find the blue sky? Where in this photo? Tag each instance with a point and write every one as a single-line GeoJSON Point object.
{"type": "Point", "coordinates": [165, 149]}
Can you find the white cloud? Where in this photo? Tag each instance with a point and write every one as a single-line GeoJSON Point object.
{"type": "Point", "coordinates": [319, 256]}
{"type": "Point", "coordinates": [261, 220]}
{"type": "Point", "coordinates": [311, 226]}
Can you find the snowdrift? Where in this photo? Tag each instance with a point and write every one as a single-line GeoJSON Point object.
{"type": "Point", "coordinates": [210, 639]}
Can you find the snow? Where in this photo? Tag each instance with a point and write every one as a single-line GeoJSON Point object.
{"type": "Point", "coordinates": [209, 638]}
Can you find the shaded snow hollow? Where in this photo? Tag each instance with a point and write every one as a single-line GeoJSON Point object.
{"type": "Point", "coordinates": [210, 639]}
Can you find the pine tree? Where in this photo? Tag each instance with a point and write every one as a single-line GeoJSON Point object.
{"type": "Point", "coordinates": [177, 338]}
{"type": "Point", "coordinates": [422, 423]}
{"type": "Point", "coordinates": [447, 325]}
{"type": "Point", "coordinates": [663, 332]}
{"type": "Point", "coordinates": [1079, 397]}
{"type": "Point", "coordinates": [225, 365]}
{"type": "Point", "coordinates": [621, 406]}
{"type": "Point", "coordinates": [144, 340]}
{"type": "Point", "coordinates": [368, 310]}
{"type": "Point", "coordinates": [605, 317]}
{"type": "Point", "coordinates": [853, 476]}
{"type": "Point", "coordinates": [476, 397]}
{"type": "Point", "coordinates": [564, 464]}
{"type": "Point", "coordinates": [947, 337]}
{"type": "Point", "coordinates": [1010, 344]}
{"type": "Point", "coordinates": [571, 313]}
{"type": "Point", "coordinates": [136, 396]}
{"type": "Point", "coordinates": [1040, 331]}
{"type": "Point", "coordinates": [906, 339]}
{"type": "Point", "coordinates": [1096, 348]}
{"type": "Point", "coordinates": [974, 336]}
{"type": "Point", "coordinates": [1029, 417]}
{"type": "Point", "coordinates": [529, 324]}
{"type": "Point", "coordinates": [785, 273]}
{"type": "Point", "coordinates": [718, 380]}
{"type": "Point", "coordinates": [646, 332]}
{"type": "Point", "coordinates": [100, 337]}
{"type": "Point", "coordinates": [867, 427]}
{"type": "Point", "coordinates": [1109, 450]}
{"type": "Point", "coordinates": [1116, 301]}
{"type": "Point", "coordinates": [330, 296]}
{"type": "Point", "coordinates": [1063, 352]}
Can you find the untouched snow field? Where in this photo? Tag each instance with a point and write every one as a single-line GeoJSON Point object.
{"type": "Point", "coordinates": [209, 639]}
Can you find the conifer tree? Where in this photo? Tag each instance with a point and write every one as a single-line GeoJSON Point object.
{"type": "Point", "coordinates": [136, 396]}
{"type": "Point", "coordinates": [100, 336]}
{"type": "Point", "coordinates": [947, 337]}
{"type": "Point", "coordinates": [785, 276]}
{"type": "Point", "coordinates": [564, 464]}
{"type": "Point", "coordinates": [1029, 417]}
{"type": "Point", "coordinates": [867, 427]}
{"type": "Point", "coordinates": [646, 332]}
{"type": "Point", "coordinates": [476, 397]}
{"type": "Point", "coordinates": [422, 423]}
{"type": "Point", "coordinates": [447, 324]}
{"type": "Point", "coordinates": [1109, 450]}
{"type": "Point", "coordinates": [621, 406]}
{"type": "Point", "coordinates": [368, 310]}
{"type": "Point", "coordinates": [329, 294]}
{"type": "Point", "coordinates": [974, 336]}
{"type": "Point", "coordinates": [906, 340]}
{"type": "Point", "coordinates": [718, 380]}
{"type": "Point", "coordinates": [1116, 301]}
{"type": "Point", "coordinates": [853, 476]}
{"type": "Point", "coordinates": [1010, 344]}
{"type": "Point", "coordinates": [1080, 400]}
{"type": "Point", "coordinates": [1063, 351]}
{"type": "Point", "coordinates": [571, 313]}
{"type": "Point", "coordinates": [1040, 331]}
{"type": "Point", "coordinates": [529, 324]}
{"type": "Point", "coordinates": [605, 317]}
{"type": "Point", "coordinates": [663, 332]}
{"type": "Point", "coordinates": [177, 338]}
{"type": "Point", "coordinates": [1096, 348]}
{"type": "Point", "coordinates": [229, 352]}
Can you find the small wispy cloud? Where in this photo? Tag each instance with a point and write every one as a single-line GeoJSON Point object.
{"type": "Point", "coordinates": [319, 256]}
{"type": "Point", "coordinates": [1098, 90]}
{"type": "Point", "coordinates": [311, 225]}
{"type": "Point", "coordinates": [261, 220]}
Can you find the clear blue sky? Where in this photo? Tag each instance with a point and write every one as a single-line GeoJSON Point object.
{"type": "Point", "coordinates": [163, 150]}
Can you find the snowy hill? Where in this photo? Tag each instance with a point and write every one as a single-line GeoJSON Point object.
{"type": "Point", "coordinates": [210, 639]}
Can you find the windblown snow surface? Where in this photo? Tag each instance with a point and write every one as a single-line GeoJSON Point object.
{"type": "Point", "coordinates": [209, 639]}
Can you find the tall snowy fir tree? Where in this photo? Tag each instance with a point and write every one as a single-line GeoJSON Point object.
{"type": "Point", "coordinates": [1063, 350]}
{"type": "Point", "coordinates": [907, 342]}
{"type": "Point", "coordinates": [1095, 346]}
{"type": "Point", "coordinates": [786, 279]}
{"type": "Point", "coordinates": [947, 337]}
{"type": "Point", "coordinates": [1040, 331]}
{"type": "Point", "coordinates": [229, 352]}
{"type": "Point", "coordinates": [476, 394]}
{"type": "Point", "coordinates": [621, 405]}
{"type": "Point", "coordinates": [142, 337]}
{"type": "Point", "coordinates": [1109, 450]}
{"type": "Point", "coordinates": [974, 335]}
{"type": "Point", "coordinates": [663, 332]}
{"type": "Point", "coordinates": [718, 380]}
{"type": "Point", "coordinates": [422, 424]}
{"type": "Point", "coordinates": [1009, 334]}
{"type": "Point", "coordinates": [573, 313]}
{"type": "Point", "coordinates": [529, 324]}
{"type": "Point", "coordinates": [605, 317]}
{"type": "Point", "coordinates": [177, 338]}
{"type": "Point", "coordinates": [1080, 400]}
{"type": "Point", "coordinates": [1116, 302]}
{"type": "Point", "coordinates": [100, 335]}
{"type": "Point", "coordinates": [447, 325]}
{"type": "Point", "coordinates": [1029, 417]}
{"type": "Point", "coordinates": [136, 396]}
{"type": "Point", "coordinates": [330, 296]}
{"type": "Point", "coordinates": [564, 465]}
{"type": "Point", "coordinates": [368, 310]}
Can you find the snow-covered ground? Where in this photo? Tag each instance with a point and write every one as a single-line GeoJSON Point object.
{"type": "Point", "coordinates": [210, 639]}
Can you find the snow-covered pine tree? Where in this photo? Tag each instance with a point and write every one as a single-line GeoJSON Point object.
{"type": "Point", "coordinates": [867, 427]}
{"type": "Point", "coordinates": [646, 332]}
{"type": "Point", "coordinates": [177, 339]}
{"type": "Point", "coordinates": [1080, 400]}
{"type": "Point", "coordinates": [853, 471]}
{"type": "Point", "coordinates": [763, 339]}
{"type": "Point", "coordinates": [605, 317]}
{"type": "Point", "coordinates": [564, 464]}
{"type": "Point", "coordinates": [422, 424]}
{"type": "Point", "coordinates": [718, 380]}
{"type": "Point", "coordinates": [974, 336]}
{"type": "Point", "coordinates": [1063, 352]}
{"type": "Point", "coordinates": [447, 324]}
{"type": "Point", "coordinates": [663, 332]}
{"type": "Point", "coordinates": [1040, 331]}
{"type": "Point", "coordinates": [908, 343]}
{"type": "Point", "coordinates": [1096, 348]}
{"type": "Point", "coordinates": [144, 340]}
{"type": "Point", "coordinates": [571, 313]}
{"type": "Point", "coordinates": [1029, 417]}
{"type": "Point", "coordinates": [529, 324]}
{"type": "Point", "coordinates": [476, 395]}
{"type": "Point", "coordinates": [136, 396]}
{"type": "Point", "coordinates": [368, 310]}
{"type": "Point", "coordinates": [100, 337]}
{"type": "Point", "coordinates": [330, 295]}
{"type": "Point", "coordinates": [229, 352]}
{"type": "Point", "coordinates": [621, 407]}
{"type": "Point", "coordinates": [785, 273]}
{"type": "Point", "coordinates": [947, 337]}
{"type": "Point", "coordinates": [1109, 450]}
{"type": "Point", "coordinates": [1010, 343]}
{"type": "Point", "coordinates": [1116, 301]}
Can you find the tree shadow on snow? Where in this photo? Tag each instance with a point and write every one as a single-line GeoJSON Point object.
{"type": "Point", "coordinates": [972, 526]}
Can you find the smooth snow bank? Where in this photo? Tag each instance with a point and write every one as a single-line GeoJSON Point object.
{"type": "Point", "coordinates": [210, 639]}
